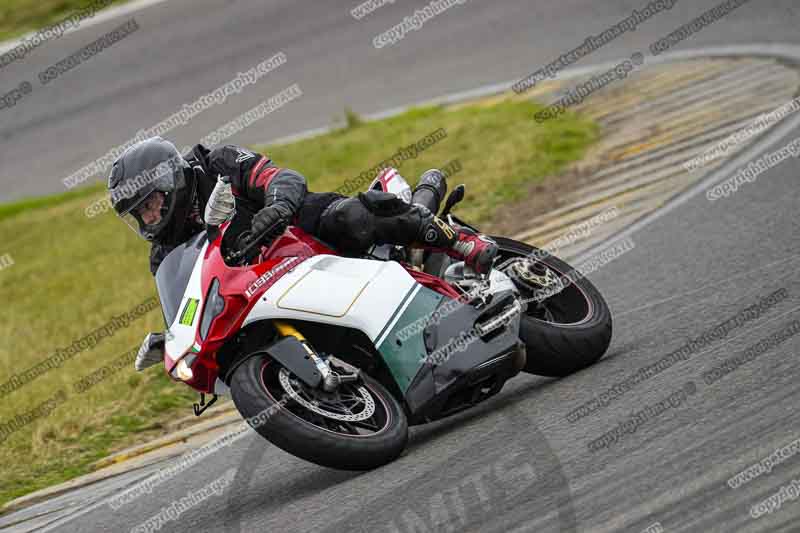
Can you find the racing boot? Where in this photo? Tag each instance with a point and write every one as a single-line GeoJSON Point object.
{"type": "Point", "coordinates": [475, 249]}
{"type": "Point", "coordinates": [430, 190]}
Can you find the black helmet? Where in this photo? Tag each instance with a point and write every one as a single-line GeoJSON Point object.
{"type": "Point", "coordinates": [149, 167]}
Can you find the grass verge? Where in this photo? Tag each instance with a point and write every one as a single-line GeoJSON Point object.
{"type": "Point", "coordinates": [40, 202]}
{"type": "Point", "coordinates": [18, 17]}
{"type": "Point", "coordinates": [72, 274]}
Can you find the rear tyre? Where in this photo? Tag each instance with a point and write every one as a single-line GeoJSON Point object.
{"type": "Point", "coordinates": [361, 426]}
{"type": "Point", "coordinates": [566, 332]}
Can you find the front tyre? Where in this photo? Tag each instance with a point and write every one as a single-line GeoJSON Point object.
{"type": "Point", "coordinates": [358, 427]}
{"type": "Point", "coordinates": [566, 328]}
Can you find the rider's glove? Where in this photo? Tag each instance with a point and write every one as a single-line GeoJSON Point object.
{"type": "Point", "coordinates": [272, 214]}
{"type": "Point", "coordinates": [151, 351]}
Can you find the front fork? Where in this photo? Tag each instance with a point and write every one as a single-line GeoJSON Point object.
{"type": "Point", "coordinates": [330, 379]}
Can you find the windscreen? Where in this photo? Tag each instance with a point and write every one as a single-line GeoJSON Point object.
{"type": "Point", "coordinates": [173, 275]}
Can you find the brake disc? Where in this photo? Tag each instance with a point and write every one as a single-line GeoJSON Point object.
{"type": "Point", "coordinates": [535, 276]}
{"type": "Point", "coordinates": [364, 414]}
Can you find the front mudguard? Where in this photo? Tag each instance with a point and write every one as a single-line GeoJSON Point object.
{"type": "Point", "coordinates": [291, 354]}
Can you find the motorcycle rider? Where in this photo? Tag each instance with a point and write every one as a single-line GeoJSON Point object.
{"type": "Point", "coordinates": [162, 195]}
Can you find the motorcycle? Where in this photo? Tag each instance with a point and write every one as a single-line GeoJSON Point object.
{"type": "Point", "coordinates": [332, 358]}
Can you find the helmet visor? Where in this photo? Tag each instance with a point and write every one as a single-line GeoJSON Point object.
{"type": "Point", "coordinates": [149, 215]}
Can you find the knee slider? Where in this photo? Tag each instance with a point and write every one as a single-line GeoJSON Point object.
{"type": "Point", "coordinates": [348, 225]}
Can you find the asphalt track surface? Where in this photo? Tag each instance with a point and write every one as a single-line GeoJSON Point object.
{"type": "Point", "coordinates": [514, 463]}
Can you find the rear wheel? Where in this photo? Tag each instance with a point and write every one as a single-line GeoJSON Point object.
{"type": "Point", "coordinates": [568, 324]}
{"type": "Point", "coordinates": [357, 427]}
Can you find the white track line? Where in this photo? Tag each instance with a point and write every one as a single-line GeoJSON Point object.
{"type": "Point", "coordinates": [102, 16]}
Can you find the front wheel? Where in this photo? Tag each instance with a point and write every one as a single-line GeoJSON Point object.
{"type": "Point", "coordinates": [357, 427]}
{"type": "Point", "coordinates": [568, 324]}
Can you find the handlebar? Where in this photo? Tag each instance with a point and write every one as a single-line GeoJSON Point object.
{"type": "Point", "coordinates": [246, 242]}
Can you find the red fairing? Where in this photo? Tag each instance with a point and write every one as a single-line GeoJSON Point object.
{"type": "Point", "coordinates": [241, 287]}
{"type": "Point", "coordinates": [296, 243]}
{"type": "Point", "coordinates": [432, 282]}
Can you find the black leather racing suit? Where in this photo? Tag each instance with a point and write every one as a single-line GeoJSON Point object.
{"type": "Point", "coordinates": [351, 225]}
{"type": "Point", "coordinates": [255, 182]}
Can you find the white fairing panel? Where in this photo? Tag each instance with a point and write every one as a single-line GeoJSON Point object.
{"type": "Point", "coordinates": [180, 336]}
{"type": "Point", "coordinates": [355, 293]}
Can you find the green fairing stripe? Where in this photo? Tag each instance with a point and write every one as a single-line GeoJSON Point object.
{"type": "Point", "coordinates": [394, 315]}
{"type": "Point", "coordinates": [187, 317]}
{"type": "Point", "coordinates": [404, 358]}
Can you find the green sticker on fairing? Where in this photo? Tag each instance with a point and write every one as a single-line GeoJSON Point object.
{"type": "Point", "coordinates": [405, 357]}
{"type": "Point", "coordinates": [187, 317]}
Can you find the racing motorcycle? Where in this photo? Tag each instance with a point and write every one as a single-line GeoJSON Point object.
{"type": "Point", "coordinates": [332, 358]}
